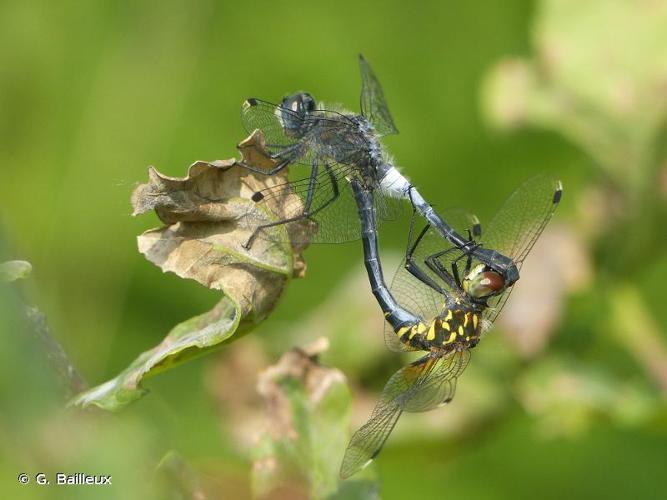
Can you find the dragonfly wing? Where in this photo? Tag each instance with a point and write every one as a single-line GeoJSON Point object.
{"type": "Point", "coordinates": [523, 217]}
{"type": "Point", "coordinates": [325, 188]}
{"type": "Point", "coordinates": [368, 440]}
{"type": "Point", "coordinates": [263, 115]}
{"type": "Point", "coordinates": [392, 341]}
{"type": "Point", "coordinates": [388, 208]}
{"type": "Point", "coordinates": [373, 104]}
{"type": "Point", "coordinates": [438, 386]}
{"type": "Point", "coordinates": [323, 131]}
{"type": "Point", "coordinates": [518, 224]}
{"type": "Point", "coordinates": [417, 298]}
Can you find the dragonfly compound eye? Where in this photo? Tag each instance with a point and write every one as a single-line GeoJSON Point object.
{"type": "Point", "coordinates": [308, 102]}
{"type": "Point", "coordinates": [484, 284]}
{"type": "Point", "coordinates": [293, 110]}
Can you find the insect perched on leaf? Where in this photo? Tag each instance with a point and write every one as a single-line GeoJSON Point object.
{"type": "Point", "coordinates": [441, 301]}
{"type": "Point", "coordinates": [328, 149]}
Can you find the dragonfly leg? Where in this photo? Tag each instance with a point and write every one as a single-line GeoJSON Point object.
{"type": "Point", "coordinates": [312, 184]}
{"type": "Point", "coordinates": [307, 212]}
{"type": "Point", "coordinates": [452, 279]}
{"type": "Point", "coordinates": [468, 250]}
{"type": "Point", "coordinates": [469, 255]}
{"type": "Point", "coordinates": [433, 262]}
{"type": "Point", "coordinates": [289, 151]}
{"type": "Point", "coordinates": [411, 266]}
{"type": "Point", "coordinates": [285, 156]}
{"type": "Point", "coordinates": [271, 171]}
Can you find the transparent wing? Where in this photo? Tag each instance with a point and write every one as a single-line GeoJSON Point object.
{"type": "Point", "coordinates": [326, 134]}
{"type": "Point", "coordinates": [392, 341]}
{"type": "Point", "coordinates": [368, 440]}
{"type": "Point", "coordinates": [373, 104]}
{"type": "Point", "coordinates": [412, 293]}
{"type": "Point", "coordinates": [425, 384]}
{"type": "Point", "coordinates": [325, 188]}
{"type": "Point", "coordinates": [437, 388]}
{"type": "Point", "coordinates": [515, 228]}
{"type": "Point", "coordinates": [263, 115]}
{"type": "Point", "coordinates": [335, 136]}
{"type": "Point", "coordinates": [388, 208]}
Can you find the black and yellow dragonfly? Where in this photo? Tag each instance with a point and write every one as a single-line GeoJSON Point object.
{"type": "Point", "coordinates": [442, 301]}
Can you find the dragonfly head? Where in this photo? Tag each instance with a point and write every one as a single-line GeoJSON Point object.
{"type": "Point", "coordinates": [482, 282]}
{"type": "Point", "coordinates": [299, 104]}
{"type": "Point", "coordinates": [502, 265]}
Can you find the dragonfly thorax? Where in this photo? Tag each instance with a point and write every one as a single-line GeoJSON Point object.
{"type": "Point", "coordinates": [356, 145]}
{"type": "Point", "coordinates": [374, 147]}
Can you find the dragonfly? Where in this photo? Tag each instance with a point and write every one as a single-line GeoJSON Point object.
{"type": "Point", "coordinates": [334, 147]}
{"type": "Point", "coordinates": [441, 301]}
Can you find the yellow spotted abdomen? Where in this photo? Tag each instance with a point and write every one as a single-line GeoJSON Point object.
{"type": "Point", "coordinates": [453, 326]}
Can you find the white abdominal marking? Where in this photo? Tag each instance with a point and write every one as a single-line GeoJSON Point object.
{"type": "Point", "coordinates": [394, 184]}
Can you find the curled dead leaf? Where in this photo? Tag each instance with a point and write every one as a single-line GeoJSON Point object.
{"type": "Point", "coordinates": [203, 239]}
{"type": "Point", "coordinates": [203, 236]}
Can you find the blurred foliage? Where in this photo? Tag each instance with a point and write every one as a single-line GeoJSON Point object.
{"type": "Point", "coordinates": [184, 480]}
{"type": "Point", "coordinates": [14, 270]}
{"type": "Point", "coordinates": [598, 78]}
{"type": "Point", "coordinates": [306, 430]}
{"type": "Point", "coordinates": [91, 93]}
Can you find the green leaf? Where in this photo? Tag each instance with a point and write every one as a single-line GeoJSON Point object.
{"type": "Point", "coordinates": [187, 340]}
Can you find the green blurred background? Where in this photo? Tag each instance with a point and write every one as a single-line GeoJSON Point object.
{"type": "Point", "coordinates": [91, 93]}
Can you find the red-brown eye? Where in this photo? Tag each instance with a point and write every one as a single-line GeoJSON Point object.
{"type": "Point", "coordinates": [484, 284]}
{"type": "Point", "coordinates": [492, 281]}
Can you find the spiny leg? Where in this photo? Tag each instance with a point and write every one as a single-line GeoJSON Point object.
{"type": "Point", "coordinates": [468, 255]}
{"type": "Point", "coordinates": [453, 277]}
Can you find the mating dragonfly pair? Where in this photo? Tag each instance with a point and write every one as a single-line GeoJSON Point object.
{"type": "Point", "coordinates": [450, 287]}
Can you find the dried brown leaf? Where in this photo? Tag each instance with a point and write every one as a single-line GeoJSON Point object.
{"type": "Point", "coordinates": [203, 239]}
{"type": "Point", "coordinates": [203, 236]}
